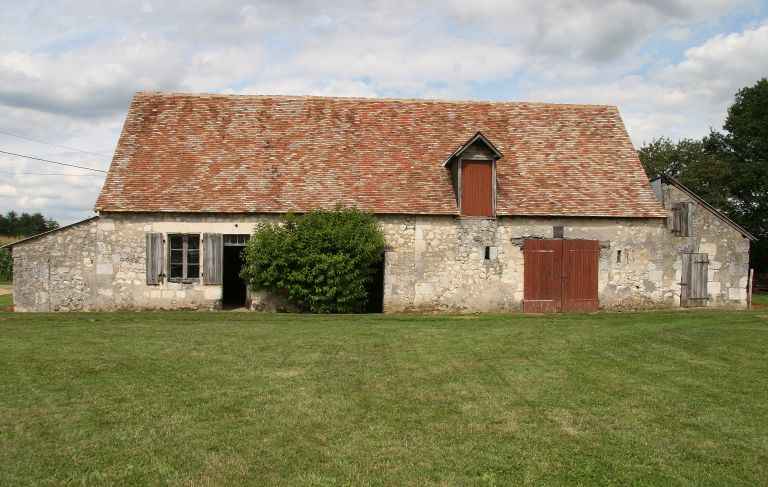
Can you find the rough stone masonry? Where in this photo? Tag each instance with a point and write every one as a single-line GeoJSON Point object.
{"type": "Point", "coordinates": [432, 263]}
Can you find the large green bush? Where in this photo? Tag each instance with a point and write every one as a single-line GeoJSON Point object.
{"type": "Point", "coordinates": [321, 261]}
{"type": "Point", "coordinates": [6, 265]}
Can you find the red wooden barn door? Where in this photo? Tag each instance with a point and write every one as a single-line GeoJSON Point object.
{"type": "Point", "coordinates": [580, 259]}
{"type": "Point", "coordinates": [476, 188]}
{"type": "Point", "coordinates": [560, 275]}
{"type": "Point", "coordinates": [542, 276]}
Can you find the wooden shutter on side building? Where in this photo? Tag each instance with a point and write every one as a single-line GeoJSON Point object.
{"type": "Point", "coordinates": [154, 257]}
{"type": "Point", "coordinates": [213, 258]}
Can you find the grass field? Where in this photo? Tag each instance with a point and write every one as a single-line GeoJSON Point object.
{"type": "Point", "coordinates": [673, 398]}
{"type": "Point", "coordinates": [6, 299]}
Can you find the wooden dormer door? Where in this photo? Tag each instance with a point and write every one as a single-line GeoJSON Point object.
{"type": "Point", "coordinates": [477, 188]}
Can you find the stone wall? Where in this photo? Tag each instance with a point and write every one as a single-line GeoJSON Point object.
{"type": "Point", "coordinates": [101, 265]}
{"type": "Point", "coordinates": [438, 263]}
{"type": "Point", "coordinates": [432, 263]}
{"type": "Point", "coordinates": [727, 250]}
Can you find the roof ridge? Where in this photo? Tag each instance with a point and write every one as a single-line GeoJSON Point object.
{"type": "Point", "coordinates": [367, 99]}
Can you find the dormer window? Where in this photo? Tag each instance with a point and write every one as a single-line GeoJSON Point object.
{"type": "Point", "coordinates": [473, 167]}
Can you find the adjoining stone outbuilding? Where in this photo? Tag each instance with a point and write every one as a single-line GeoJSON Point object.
{"type": "Point", "coordinates": [486, 206]}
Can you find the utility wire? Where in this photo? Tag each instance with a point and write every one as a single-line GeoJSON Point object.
{"type": "Point", "coordinates": [53, 145]}
{"type": "Point", "coordinates": [46, 174]}
{"type": "Point", "coordinates": [51, 162]}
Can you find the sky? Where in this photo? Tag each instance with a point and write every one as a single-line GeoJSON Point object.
{"type": "Point", "coordinates": [69, 69]}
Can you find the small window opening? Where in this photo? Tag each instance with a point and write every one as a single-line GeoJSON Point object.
{"type": "Point", "coordinates": [558, 231]}
{"type": "Point", "coordinates": [491, 253]}
{"type": "Point", "coordinates": [618, 256]}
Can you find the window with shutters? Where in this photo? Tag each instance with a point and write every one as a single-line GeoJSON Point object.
{"type": "Point", "coordinates": [183, 257]}
{"type": "Point", "coordinates": [682, 219]}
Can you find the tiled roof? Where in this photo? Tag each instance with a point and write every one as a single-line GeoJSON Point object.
{"type": "Point", "coordinates": [231, 153]}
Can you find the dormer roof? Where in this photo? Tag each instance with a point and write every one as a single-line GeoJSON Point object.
{"type": "Point", "coordinates": [477, 138]}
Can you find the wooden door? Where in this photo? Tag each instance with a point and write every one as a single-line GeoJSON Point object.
{"type": "Point", "coordinates": [476, 188]}
{"type": "Point", "coordinates": [580, 262]}
{"type": "Point", "coordinates": [693, 282]}
{"type": "Point", "coordinates": [542, 276]}
{"type": "Point", "coordinates": [560, 275]}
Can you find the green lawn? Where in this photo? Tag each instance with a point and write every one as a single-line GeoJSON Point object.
{"type": "Point", "coordinates": [760, 299]}
{"type": "Point", "coordinates": [672, 398]}
{"type": "Point", "coordinates": [5, 299]}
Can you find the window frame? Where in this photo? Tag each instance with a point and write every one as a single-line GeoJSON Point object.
{"type": "Point", "coordinates": [185, 263]}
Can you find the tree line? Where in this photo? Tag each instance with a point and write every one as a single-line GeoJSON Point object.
{"type": "Point", "coordinates": [728, 168]}
{"type": "Point", "coordinates": [24, 225]}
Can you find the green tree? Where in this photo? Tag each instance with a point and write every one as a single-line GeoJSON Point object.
{"type": "Point", "coordinates": [6, 265]}
{"type": "Point", "coordinates": [696, 163]}
{"type": "Point", "coordinates": [745, 142]}
{"type": "Point", "coordinates": [728, 169]}
{"type": "Point", "coordinates": [25, 225]}
{"type": "Point", "coordinates": [321, 261]}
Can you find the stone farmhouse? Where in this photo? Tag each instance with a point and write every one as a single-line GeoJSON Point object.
{"type": "Point", "coordinates": [486, 206]}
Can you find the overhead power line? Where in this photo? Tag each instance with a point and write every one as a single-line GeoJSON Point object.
{"type": "Point", "coordinates": [52, 144]}
{"type": "Point", "coordinates": [47, 174]}
{"type": "Point", "coordinates": [51, 162]}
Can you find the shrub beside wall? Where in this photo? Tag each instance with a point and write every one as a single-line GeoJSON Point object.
{"type": "Point", "coordinates": [6, 265]}
{"type": "Point", "coordinates": [321, 261]}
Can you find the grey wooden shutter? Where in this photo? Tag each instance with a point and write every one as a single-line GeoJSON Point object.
{"type": "Point", "coordinates": [213, 256]}
{"type": "Point", "coordinates": [684, 219]}
{"type": "Point", "coordinates": [676, 218]}
{"type": "Point", "coordinates": [155, 256]}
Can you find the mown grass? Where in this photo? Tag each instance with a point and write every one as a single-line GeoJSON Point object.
{"type": "Point", "coordinates": [760, 299]}
{"type": "Point", "coordinates": [672, 398]}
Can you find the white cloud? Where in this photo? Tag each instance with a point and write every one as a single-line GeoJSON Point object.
{"type": "Point", "coordinates": [7, 190]}
{"type": "Point", "coordinates": [93, 81]}
{"type": "Point", "coordinates": [718, 67]}
{"type": "Point", "coordinates": [593, 30]}
{"type": "Point", "coordinates": [70, 82]}
{"type": "Point", "coordinates": [685, 99]}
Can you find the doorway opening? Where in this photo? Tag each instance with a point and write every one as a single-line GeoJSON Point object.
{"type": "Point", "coordinates": [376, 288]}
{"type": "Point", "coordinates": [234, 293]}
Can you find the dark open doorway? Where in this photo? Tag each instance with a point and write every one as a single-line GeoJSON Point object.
{"type": "Point", "coordinates": [376, 289]}
{"type": "Point", "coordinates": [234, 294]}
